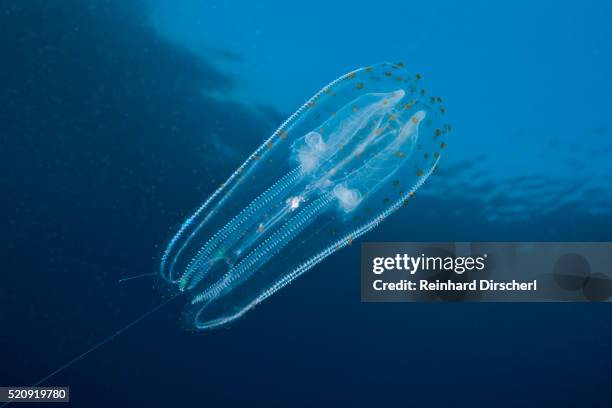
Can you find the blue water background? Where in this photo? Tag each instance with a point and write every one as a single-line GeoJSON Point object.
{"type": "Point", "coordinates": [120, 117]}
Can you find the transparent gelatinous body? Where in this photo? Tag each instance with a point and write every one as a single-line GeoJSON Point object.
{"type": "Point", "coordinates": [348, 158]}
